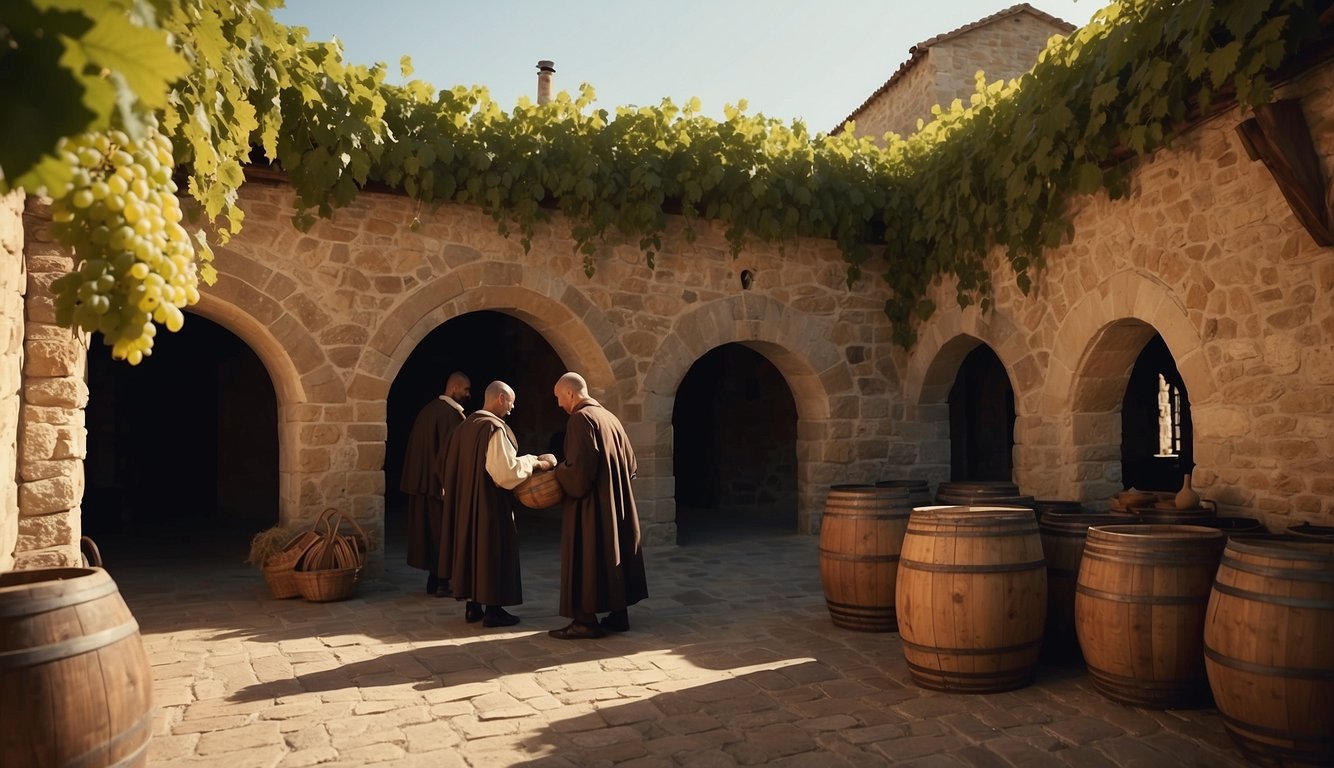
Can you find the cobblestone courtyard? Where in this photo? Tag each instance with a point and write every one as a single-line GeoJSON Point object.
{"type": "Point", "coordinates": [731, 661]}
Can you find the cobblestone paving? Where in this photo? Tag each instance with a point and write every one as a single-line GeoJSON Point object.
{"type": "Point", "coordinates": [731, 661]}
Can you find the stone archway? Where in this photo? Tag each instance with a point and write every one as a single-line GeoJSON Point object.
{"type": "Point", "coordinates": [796, 344]}
{"type": "Point", "coordinates": [1092, 357]}
{"type": "Point", "coordinates": [943, 345]}
{"type": "Point", "coordinates": [182, 448]}
{"type": "Point", "coordinates": [575, 328]}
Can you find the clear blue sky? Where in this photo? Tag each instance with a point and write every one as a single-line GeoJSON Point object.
{"type": "Point", "coordinates": [811, 59]}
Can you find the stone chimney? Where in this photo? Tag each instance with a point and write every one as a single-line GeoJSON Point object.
{"type": "Point", "coordinates": [545, 69]}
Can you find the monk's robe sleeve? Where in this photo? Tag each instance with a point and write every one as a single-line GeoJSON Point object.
{"type": "Point", "coordinates": [580, 469]}
{"type": "Point", "coordinates": [506, 468]}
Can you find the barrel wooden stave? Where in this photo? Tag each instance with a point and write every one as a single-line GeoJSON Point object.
{"type": "Point", "coordinates": [861, 535]}
{"type": "Point", "coordinates": [1063, 535]}
{"type": "Point", "coordinates": [69, 647]}
{"type": "Point", "coordinates": [1267, 646]}
{"type": "Point", "coordinates": [972, 598]}
{"type": "Point", "coordinates": [1140, 600]}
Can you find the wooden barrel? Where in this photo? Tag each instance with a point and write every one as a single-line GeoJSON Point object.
{"type": "Point", "coordinates": [1269, 649]}
{"type": "Point", "coordinates": [919, 491]}
{"type": "Point", "coordinates": [861, 536]}
{"type": "Point", "coordinates": [1139, 611]}
{"type": "Point", "coordinates": [75, 685]}
{"type": "Point", "coordinates": [982, 492]}
{"type": "Point", "coordinates": [1063, 536]}
{"type": "Point", "coordinates": [1308, 531]}
{"type": "Point", "coordinates": [972, 597]}
{"type": "Point", "coordinates": [539, 490]}
{"type": "Point", "coordinates": [1237, 526]}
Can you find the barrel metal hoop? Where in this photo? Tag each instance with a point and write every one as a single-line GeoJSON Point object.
{"type": "Point", "coordinates": [1293, 574]}
{"type": "Point", "coordinates": [96, 757]}
{"type": "Point", "coordinates": [1032, 565]}
{"type": "Point", "coordinates": [972, 651]}
{"type": "Point", "coordinates": [1261, 597]}
{"type": "Point", "coordinates": [1141, 599]}
{"type": "Point", "coordinates": [1268, 670]}
{"type": "Point", "coordinates": [27, 657]}
{"type": "Point", "coordinates": [831, 555]}
{"type": "Point", "coordinates": [45, 604]}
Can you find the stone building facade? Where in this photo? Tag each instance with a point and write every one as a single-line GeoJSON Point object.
{"type": "Point", "coordinates": [1003, 45]}
{"type": "Point", "coordinates": [1205, 252]}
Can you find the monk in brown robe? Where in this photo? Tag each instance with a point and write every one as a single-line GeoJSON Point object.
{"type": "Point", "coordinates": [482, 463]}
{"type": "Point", "coordinates": [602, 561]}
{"type": "Point", "coordinates": [421, 479]}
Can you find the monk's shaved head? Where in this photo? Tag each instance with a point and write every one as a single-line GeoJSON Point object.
{"type": "Point", "coordinates": [499, 398]}
{"type": "Point", "coordinates": [458, 386]}
{"type": "Point", "coordinates": [573, 383]}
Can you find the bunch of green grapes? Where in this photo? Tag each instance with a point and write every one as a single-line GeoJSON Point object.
{"type": "Point", "coordinates": [134, 262]}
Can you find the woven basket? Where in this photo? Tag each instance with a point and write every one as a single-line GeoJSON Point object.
{"type": "Point", "coordinates": [279, 566]}
{"type": "Point", "coordinates": [327, 585]}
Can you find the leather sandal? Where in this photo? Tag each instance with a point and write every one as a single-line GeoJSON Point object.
{"type": "Point", "coordinates": [577, 630]}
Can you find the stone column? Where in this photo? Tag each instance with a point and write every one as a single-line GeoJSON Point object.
{"type": "Point", "coordinates": [12, 285]}
{"type": "Point", "coordinates": [52, 440]}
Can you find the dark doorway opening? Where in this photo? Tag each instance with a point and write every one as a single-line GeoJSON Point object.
{"type": "Point", "coordinates": [1156, 434]}
{"type": "Point", "coordinates": [487, 346]}
{"type": "Point", "coordinates": [734, 431]}
{"type": "Point", "coordinates": [981, 419]}
{"type": "Point", "coordinates": [182, 447]}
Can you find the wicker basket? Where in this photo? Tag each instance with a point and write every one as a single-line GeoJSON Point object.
{"type": "Point", "coordinates": [327, 585]}
{"type": "Point", "coordinates": [330, 566]}
{"type": "Point", "coordinates": [279, 566]}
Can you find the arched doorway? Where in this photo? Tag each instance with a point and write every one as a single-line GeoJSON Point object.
{"type": "Point", "coordinates": [734, 431]}
{"type": "Point", "coordinates": [185, 444]}
{"type": "Point", "coordinates": [486, 345]}
{"type": "Point", "coordinates": [1156, 434]}
{"type": "Point", "coordinates": [981, 406]}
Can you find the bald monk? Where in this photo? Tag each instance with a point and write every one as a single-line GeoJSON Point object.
{"type": "Point", "coordinates": [482, 464]}
{"type": "Point", "coordinates": [602, 561]}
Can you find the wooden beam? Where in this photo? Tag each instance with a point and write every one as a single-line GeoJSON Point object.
{"type": "Point", "coordinates": [1279, 137]}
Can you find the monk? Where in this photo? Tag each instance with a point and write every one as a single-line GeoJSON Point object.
{"type": "Point", "coordinates": [421, 479]}
{"type": "Point", "coordinates": [482, 463]}
{"type": "Point", "coordinates": [602, 561]}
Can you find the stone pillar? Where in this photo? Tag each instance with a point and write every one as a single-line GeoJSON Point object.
{"type": "Point", "coordinates": [12, 285]}
{"type": "Point", "coordinates": [52, 440]}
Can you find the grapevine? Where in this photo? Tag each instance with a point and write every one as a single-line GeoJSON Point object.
{"type": "Point", "coordinates": [134, 262]}
{"type": "Point", "coordinates": [230, 87]}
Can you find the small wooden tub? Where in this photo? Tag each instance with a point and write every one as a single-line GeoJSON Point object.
{"type": "Point", "coordinates": [1269, 649]}
{"type": "Point", "coordinates": [1139, 611]}
{"type": "Point", "coordinates": [972, 597]}
{"type": "Point", "coordinates": [861, 536]}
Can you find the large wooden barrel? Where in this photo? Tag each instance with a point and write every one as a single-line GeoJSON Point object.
{"type": "Point", "coordinates": [972, 597]}
{"type": "Point", "coordinates": [1139, 611]}
{"type": "Point", "coordinates": [75, 685]}
{"type": "Point", "coordinates": [982, 492]}
{"type": "Point", "coordinates": [861, 536]}
{"type": "Point", "coordinates": [1269, 649]}
{"type": "Point", "coordinates": [1063, 536]}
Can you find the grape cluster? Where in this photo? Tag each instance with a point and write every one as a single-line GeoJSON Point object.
{"type": "Point", "coordinates": [134, 262]}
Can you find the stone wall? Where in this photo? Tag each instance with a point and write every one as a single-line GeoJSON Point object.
{"type": "Point", "coordinates": [1205, 251]}
{"type": "Point", "coordinates": [11, 363]}
{"type": "Point", "coordinates": [1004, 48]}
